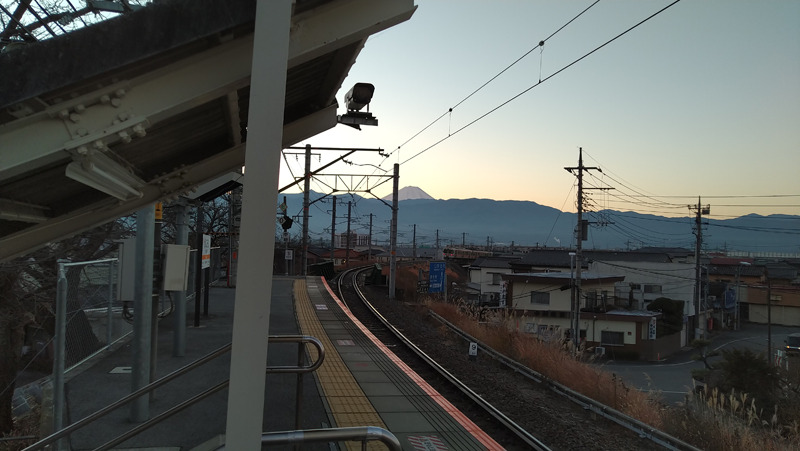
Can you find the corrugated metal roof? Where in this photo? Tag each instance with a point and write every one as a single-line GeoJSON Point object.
{"type": "Point", "coordinates": [39, 203]}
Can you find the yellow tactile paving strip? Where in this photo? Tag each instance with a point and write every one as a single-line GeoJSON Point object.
{"type": "Point", "coordinates": [349, 406]}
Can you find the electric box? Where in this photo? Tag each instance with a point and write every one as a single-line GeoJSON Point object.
{"type": "Point", "coordinates": [176, 267]}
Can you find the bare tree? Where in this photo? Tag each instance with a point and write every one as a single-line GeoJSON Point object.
{"type": "Point", "coordinates": [27, 296]}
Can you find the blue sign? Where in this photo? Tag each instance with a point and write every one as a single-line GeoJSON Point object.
{"type": "Point", "coordinates": [730, 299]}
{"type": "Point", "coordinates": [436, 277]}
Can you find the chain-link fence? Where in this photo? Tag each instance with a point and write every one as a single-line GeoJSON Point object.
{"type": "Point", "coordinates": [94, 317]}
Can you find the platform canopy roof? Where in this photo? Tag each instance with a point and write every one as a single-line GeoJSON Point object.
{"type": "Point", "coordinates": [101, 121]}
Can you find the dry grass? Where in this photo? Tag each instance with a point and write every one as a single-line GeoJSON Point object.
{"type": "Point", "coordinates": [25, 426]}
{"type": "Point", "coordinates": [712, 422]}
{"type": "Point", "coordinates": [719, 421]}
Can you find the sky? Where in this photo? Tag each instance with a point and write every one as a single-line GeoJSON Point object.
{"type": "Point", "coordinates": [701, 100]}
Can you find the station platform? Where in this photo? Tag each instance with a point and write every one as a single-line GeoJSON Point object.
{"type": "Point", "coordinates": [364, 383]}
{"type": "Point", "coordinates": [360, 383]}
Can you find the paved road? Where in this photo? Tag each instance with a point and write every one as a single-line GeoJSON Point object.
{"type": "Point", "coordinates": [672, 379]}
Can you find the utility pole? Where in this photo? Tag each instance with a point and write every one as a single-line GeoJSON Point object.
{"type": "Point", "coordinates": [306, 192]}
{"type": "Point", "coordinates": [347, 252]}
{"type": "Point", "coordinates": [438, 255]}
{"type": "Point", "coordinates": [463, 239]}
{"type": "Point", "coordinates": [769, 315]}
{"type": "Point", "coordinates": [699, 212]}
{"type": "Point", "coordinates": [393, 233]}
{"type": "Point", "coordinates": [580, 235]}
{"type": "Point", "coordinates": [333, 230]}
{"type": "Point", "coordinates": [414, 243]}
{"type": "Point", "coordinates": [369, 244]}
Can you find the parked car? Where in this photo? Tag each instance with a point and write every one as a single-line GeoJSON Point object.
{"type": "Point", "coordinates": [792, 344]}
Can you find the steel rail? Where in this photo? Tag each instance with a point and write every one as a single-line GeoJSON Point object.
{"type": "Point", "coordinates": [524, 435]}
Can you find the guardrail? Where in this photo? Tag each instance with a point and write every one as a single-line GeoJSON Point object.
{"type": "Point", "coordinates": [299, 369]}
{"type": "Point", "coordinates": [644, 430]}
{"type": "Point", "coordinates": [362, 434]}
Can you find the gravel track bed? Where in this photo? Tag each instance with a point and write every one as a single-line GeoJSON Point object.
{"type": "Point", "coordinates": [556, 421]}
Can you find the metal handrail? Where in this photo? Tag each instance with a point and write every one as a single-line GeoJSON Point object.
{"type": "Point", "coordinates": [362, 434]}
{"type": "Point", "coordinates": [179, 372]}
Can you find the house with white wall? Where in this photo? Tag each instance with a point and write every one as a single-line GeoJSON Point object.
{"type": "Point", "coordinates": [485, 277]}
{"type": "Point", "coordinates": [647, 280]}
{"type": "Point", "coordinates": [541, 304]}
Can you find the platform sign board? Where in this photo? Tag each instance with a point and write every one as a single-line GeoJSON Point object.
{"type": "Point", "coordinates": [436, 277]}
{"type": "Point", "coordinates": [206, 261]}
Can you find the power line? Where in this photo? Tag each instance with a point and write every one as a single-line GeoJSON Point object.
{"type": "Point", "coordinates": [450, 110]}
{"type": "Point", "coordinates": [539, 83]}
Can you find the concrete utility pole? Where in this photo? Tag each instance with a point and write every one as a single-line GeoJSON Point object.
{"type": "Point", "coordinates": [333, 229]}
{"type": "Point", "coordinates": [580, 235]}
{"type": "Point", "coordinates": [699, 210]}
{"type": "Point", "coordinates": [306, 191]}
{"type": "Point", "coordinates": [463, 239]}
{"type": "Point", "coordinates": [393, 233]}
{"type": "Point", "coordinates": [769, 315]}
{"type": "Point", "coordinates": [414, 243]}
{"type": "Point", "coordinates": [347, 253]}
{"type": "Point", "coordinates": [369, 244]}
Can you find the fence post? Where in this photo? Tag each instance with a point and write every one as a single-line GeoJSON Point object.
{"type": "Point", "coordinates": [110, 313]}
{"type": "Point", "coordinates": [59, 353]}
{"type": "Point", "coordinates": [143, 307]}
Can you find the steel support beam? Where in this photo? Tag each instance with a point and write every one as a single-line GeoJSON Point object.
{"type": "Point", "coordinates": [112, 113]}
{"type": "Point", "coordinates": [257, 243]}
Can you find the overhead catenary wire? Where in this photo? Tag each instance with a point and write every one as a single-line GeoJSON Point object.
{"type": "Point", "coordinates": [526, 90]}
{"type": "Point", "coordinates": [450, 110]}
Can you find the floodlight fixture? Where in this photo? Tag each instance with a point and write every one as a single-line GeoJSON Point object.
{"type": "Point", "coordinates": [104, 174]}
{"type": "Point", "coordinates": [11, 210]}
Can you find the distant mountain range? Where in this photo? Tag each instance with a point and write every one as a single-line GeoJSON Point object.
{"type": "Point", "coordinates": [501, 223]}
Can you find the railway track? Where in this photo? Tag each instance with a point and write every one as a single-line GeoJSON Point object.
{"type": "Point", "coordinates": [509, 434]}
{"type": "Point", "coordinates": [532, 414]}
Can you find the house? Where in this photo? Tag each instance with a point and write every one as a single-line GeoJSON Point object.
{"type": "Point", "coordinates": [649, 277]}
{"type": "Point", "coordinates": [544, 260]}
{"type": "Point", "coordinates": [485, 277]}
{"type": "Point", "coordinates": [541, 304]}
{"type": "Point", "coordinates": [780, 284]}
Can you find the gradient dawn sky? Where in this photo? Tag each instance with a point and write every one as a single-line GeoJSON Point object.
{"type": "Point", "coordinates": [701, 100]}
